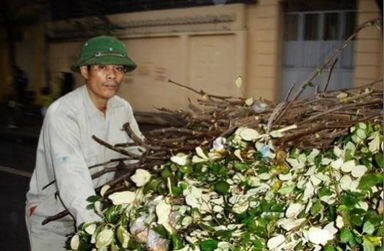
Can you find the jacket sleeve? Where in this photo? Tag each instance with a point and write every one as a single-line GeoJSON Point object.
{"type": "Point", "coordinates": [73, 179]}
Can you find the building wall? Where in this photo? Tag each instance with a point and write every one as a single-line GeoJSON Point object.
{"type": "Point", "coordinates": [369, 46]}
{"type": "Point", "coordinates": [203, 48]}
{"type": "Point", "coordinates": [263, 49]}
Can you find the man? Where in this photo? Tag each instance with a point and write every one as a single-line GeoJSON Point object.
{"type": "Point", "coordinates": [66, 149]}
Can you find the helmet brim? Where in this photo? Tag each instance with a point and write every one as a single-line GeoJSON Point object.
{"type": "Point", "coordinates": [128, 63]}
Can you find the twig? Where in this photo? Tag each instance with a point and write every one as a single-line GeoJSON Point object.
{"type": "Point", "coordinates": [330, 74]}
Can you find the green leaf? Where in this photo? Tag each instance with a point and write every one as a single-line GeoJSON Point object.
{"type": "Point", "coordinates": [345, 235]}
{"type": "Point", "coordinates": [368, 227]}
{"type": "Point", "coordinates": [348, 155]}
{"type": "Point", "coordinates": [329, 248]}
{"type": "Point", "coordinates": [240, 166]}
{"type": "Point", "coordinates": [286, 189]}
{"type": "Point", "coordinates": [93, 198]}
{"type": "Point", "coordinates": [177, 190]}
{"type": "Point", "coordinates": [324, 191]}
{"type": "Point", "coordinates": [376, 241]}
{"type": "Point", "coordinates": [221, 187]}
{"type": "Point", "coordinates": [177, 243]}
{"type": "Point", "coordinates": [208, 245]}
{"type": "Point", "coordinates": [112, 214]}
{"type": "Point", "coordinates": [152, 185]}
{"type": "Point", "coordinates": [370, 180]}
{"type": "Point", "coordinates": [316, 208]}
{"type": "Point", "coordinates": [356, 219]}
{"type": "Point", "coordinates": [318, 160]}
{"type": "Point", "coordinates": [278, 207]}
{"type": "Point", "coordinates": [368, 246]}
{"type": "Point", "coordinates": [379, 160]}
{"type": "Point", "coordinates": [350, 199]}
{"type": "Point", "coordinates": [380, 231]}
{"type": "Point", "coordinates": [90, 206]}
{"type": "Point", "coordinates": [161, 230]}
{"type": "Point", "coordinates": [224, 234]}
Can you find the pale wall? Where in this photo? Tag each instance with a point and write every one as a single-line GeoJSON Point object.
{"type": "Point", "coordinates": [263, 67]}
{"type": "Point", "coordinates": [185, 46]}
{"type": "Point", "coordinates": [199, 54]}
{"type": "Point", "coordinates": [369, 46]}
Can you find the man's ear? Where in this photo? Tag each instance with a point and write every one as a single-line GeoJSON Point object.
{"type": "Point", "coordinates": [84, 71]}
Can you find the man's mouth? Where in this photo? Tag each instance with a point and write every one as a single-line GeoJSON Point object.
{"type": "Point", "coordinates": [110, 85]}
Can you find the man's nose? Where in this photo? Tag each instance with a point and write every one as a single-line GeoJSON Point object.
{"type": "Point", "coordinates": [111, 74]}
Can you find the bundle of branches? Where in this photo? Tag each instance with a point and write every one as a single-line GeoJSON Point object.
{"type": "Point", "coordinates": [313, 121]}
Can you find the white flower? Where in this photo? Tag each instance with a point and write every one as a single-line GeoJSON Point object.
{"type": "Point", "coordinates": [329, 199]}
{"type": "Point", "coordinates": [98, 207]}
{"type": "Point", "coordinates": [124, 197]}
{"type": "Point", "coordinates": [284, 177]}
{"type": "Point", "coordinates": [247, 134]}
{"type": "Point", "coordinates": [359, 171]}
{"type": "Point", "coordinates": [309, 191]}
{"type": "Point", "coordinates": [355, 184]}
{"type": "Point", "coordinates": [201, 156]}
{"type": "Point", "coordinates": [289, 224]}
{"type": "Point", "coordinates": [348, 166]}
{"type": "Point", "coordinates": [315, 180]}
{"type": "Point", "coordinates": [90, 228]}
{"type": "Point", "coordinates": [336, 164]}
{"type": "Point", "coordinates": [330, 227]}
{"type": "Point", "coordinates": [218, 209]}
{"type": "Point", "coordinates": [241, 205]}
{"type": "Point", "coordinates": [311, 157]}
{"type": "Point", "coordinates": [295, 164]}
{"type": "Point", "coordinates": [163, 210]}
{"type": "Point", "coordinates": [141, 177]}
{"type": "Point", "coordinates": [264, 176]}
{"type": "Point", "coordinates": [223, 246]}
{"type": "Point", "coordinates": [345, 182]}
{"type": "Point", "coordinates": [323, 177]}
{"type": "Point", "coordinates": [104, 238]}
{"type": "Point", "coordinates": [195, 198]}
{"type": "Point", "coordinates": [253, 181]}
{"type": "Point", "coordinates": [181, 159]}
{"type": "Point", "coordinates": [319, 236]}
{"type": "Point", "coordinates": [186, 221]}
{"type": "Point", "coordinates": [218, 201]}
{"type": "Point", "coordinates": [123, 236]}
{"type": "Point", "coordinates": [75, 242]}
{"type": "Point", "coordinates": [276, 241]}
{"type": "Point", "coordinates": [374, 145]}
{"type": "Point", "coordinates": [363, 205]}
{"type": "Point", "coordinates": [219, 144]}
{"type": "Point", "coordinates": [293, 210]}
{"type": "Point", "coordinates": [339, 222]}
{"type": "Point", "coordinates": [337, 151]}
{"type": "Point", "coordinates": [237, 153]}
{"type": "Point", "coordinates": [104, 189]}
{"type": "Point", "coordinates": [325, 161]}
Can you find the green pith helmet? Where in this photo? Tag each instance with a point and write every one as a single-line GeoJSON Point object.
{"type": "Point", "coordinates": [104, 50]}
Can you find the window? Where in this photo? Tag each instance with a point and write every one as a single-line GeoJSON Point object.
{"type": "Point", "coordinates": [311, 27]}
{"type": "Point", "coordinates": [319, 25]}
{"type": "Point", "coordinates": [350, 24]}
{"type": "Point", "coordinates": [291, 27]}
{"type": "Point", "coordinates": [331, 26]}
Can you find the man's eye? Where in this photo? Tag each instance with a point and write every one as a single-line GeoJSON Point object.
{"type": "Point", "coordinates": [99, 67]}
{"type": "Point", "coordinates": [120, 68]}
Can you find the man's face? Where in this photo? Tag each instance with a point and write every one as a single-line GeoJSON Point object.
{"type": "Point", "coordinates": [103, 81]}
